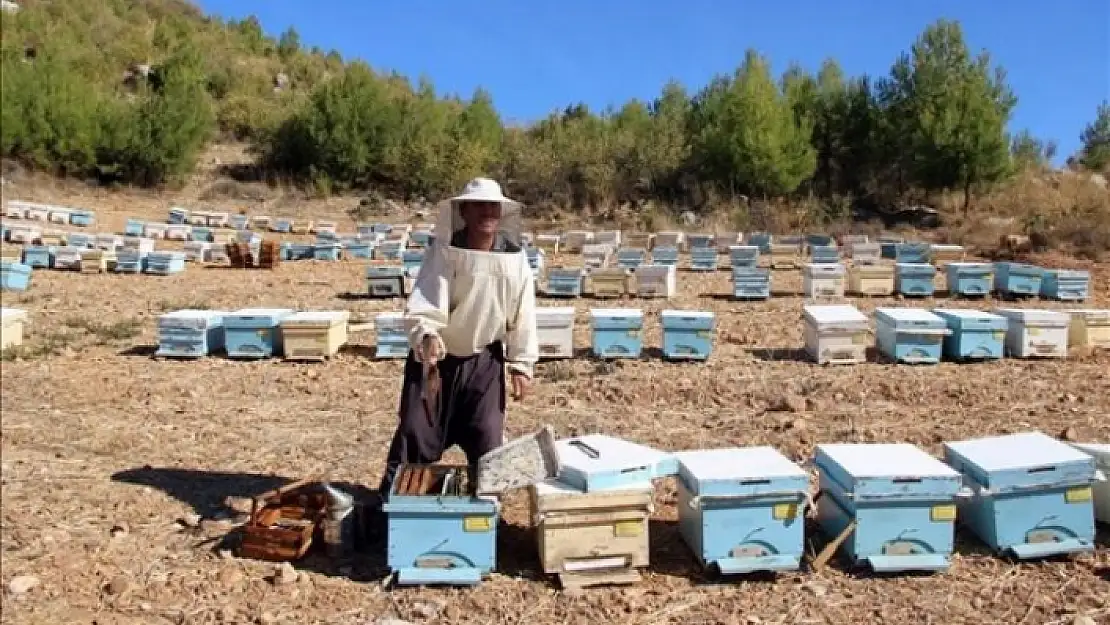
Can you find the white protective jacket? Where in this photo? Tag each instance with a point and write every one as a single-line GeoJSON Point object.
{"type": "Point", "coordinates": [468, 299]}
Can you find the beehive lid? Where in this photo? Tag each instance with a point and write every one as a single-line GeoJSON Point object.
{"type": "Point", "coordinates": [1100, 452]}
{"type": "Point", "coordinates": [916, 267]}
{"type": "Point", "coordinates": [191, 317]}
{"type": "Point", "coordinates": [1016, 460]}
{"type": "Point", "coordinates": [824, 268]}
{"type": "Point", "coordinates": [917, 317]}
{"type": "Point", "coordinates": [833, 314]}
{"type": "Point", "coordinates": [274, 313]}
{"type": "Point", "coordinates": [555, 488]}
{"type": "Point", "coordinates": [739, 471]}
{"type": "Point", "coordinates": [965, 313]}
{"type": "Point", "coordinates": [1090, 314]}
{"type": "Point", "coordinates": [668, 315]}
{"type": "Point", "coordinates": [555, 314]}
{"type": "Point", "coordinates": [317, 318]}
{"type": "Point", "coordinates": [947, 247]}
{"type": "Point", "coordinates": [654, 271]}
{"type": "Point", "coordinates": [618, 462]}
{"type": "Point", "coordinates": [1034, 317]}
{"type": "Point", "coordinates": [1069, 273]}
{"type": "Point", "coordinates": [389, 319]}
{"type": "Point", "coordinates": [970, 265]}
{"type": "Point", "coordinates": [623, 313]}
{"type": "Point", "coordinates": [12, 315]}
{"type": "Point", "coordinates": [884, 460]}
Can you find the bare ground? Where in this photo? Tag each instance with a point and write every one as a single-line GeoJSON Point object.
{"type": "Point", "coordinates": [106, 451]}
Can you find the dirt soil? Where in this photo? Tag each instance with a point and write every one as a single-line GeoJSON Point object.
{"type": "Point", "coordinates": [122, 473]}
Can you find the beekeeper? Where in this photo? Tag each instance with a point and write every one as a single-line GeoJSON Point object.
{"type": "Point", "coordinates": [471, 316]}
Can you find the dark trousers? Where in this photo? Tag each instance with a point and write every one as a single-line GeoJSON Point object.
{"type": "Point", "coordinates": [471, 411]}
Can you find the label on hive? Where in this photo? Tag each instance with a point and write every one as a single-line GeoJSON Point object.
{"type": "Point", "coordinates": [549, 348]}
{"type": "Point", "coordinates": [860, 338]}
{"type": "Point", "coordinates": [626, 529]}
{"type": "Point", "coordinates": [476, 524]}
{"type": "Point", "coordinates": [943, 513]}
{"type": "Point", "coordinates": [1034, 331]}
{"type": "Point", "coordinates": [999, 335]}
{"type": "Point", "coordinates": [705, 334]}
{"type": "Point", "coordinates": [633, 333]}
{"type": "Point", "coordinates": [1080, 494]}
{"type": "Point", "coordinates": [784, 511]}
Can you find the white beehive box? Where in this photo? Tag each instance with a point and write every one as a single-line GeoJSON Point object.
{"type": "Point", "coordinates": [58, 215]}
{"type": "Point", "coordinates": [725, 240]}
{"type": "Point", "coordinates": [596, 255]}
{"type": "Point", "coordinates": [67, 258]}
{"type": "Point", "coordinates": [823, 280]}
{"type": "Point", "coordinates": [555, 326]}
{"type": "Point", "coordinates": [142, 245]}
{"type": "Point", "coordinates": [548, 242]}
{"type": "Point", "coordinates": [109, 241]}
{"type": "Point", "coordinates": [199, 218]}
{"type": "Point", "coordinates": [1101, 453]}
{"type": "Point", "coordinates": [612, 238]}
{"type": "Point", "coordinates": [153, 230]}
{"type": "Point", "coordinates": [1036, 333]}
{"type": "Point", "coordinates": [1089, 328]}
{"type": "Point", "coordinates": [12, 321]}
{"type": "Point", "coordinates": [197, 251]}
{"type": "Point", "coordinates": [836, 334]}
{"type": "Point", "coordinates": [38, 212]}
{"type": "Point", "coordinates": [669, 238]}
{"type": "Point", "coordinates": [26, 234]}
{"type": "Point", "coordinates": [656, 280]}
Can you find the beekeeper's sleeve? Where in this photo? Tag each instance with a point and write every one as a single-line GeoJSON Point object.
{"type": "Point", "coordinates": [427, 309]}
{"type": "Point", "coordinates": [522, 348]}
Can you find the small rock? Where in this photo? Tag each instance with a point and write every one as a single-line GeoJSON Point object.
{"type": "Point", "coordinates": [428, 610]}
{"type": "Point", "coordinates": [754, 620]}
{"type": "Point", "coordinates": [145, 607]}
{"type": "Point", "coordinates": [230, 576]}
{"type": "Point", "coordinates": [118, 531]}
{"type": "Point", "coordinates": [190, 520]}
{"type": "Point", "coordinates": [117, 586]}
{"type": "Point", "coordinates": [286, 574]}
{"type": "Point", "coordinates": [1069, 434]}
{"type": "Point", "coordinates": [266, 619]}
{"type": "Point", "coordinates": [798, 424]}
{"type": "Point", "coordinates": [22, 584]}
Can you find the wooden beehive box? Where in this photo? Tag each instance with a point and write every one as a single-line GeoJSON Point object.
{"type": "Point", "coordinates": [283, 523]}
{"type": "Point", "coordinates": [314, 335]}
{"type": "Point", "coordinates": [12, 321]}
{"type": "Point", "coordinates": [610, 282]}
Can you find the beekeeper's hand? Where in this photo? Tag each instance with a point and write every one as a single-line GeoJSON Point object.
{"type": "Point", "coordinates": [431, 349]}
{"type": "Point", "coordinates": [521, 384]}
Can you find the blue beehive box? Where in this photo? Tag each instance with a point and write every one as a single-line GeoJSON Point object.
{"type": "Point", "coordinates": [536, 258]}
{"type": "Point", "coordinates": [326, 236]}
{"type": "Point", "coordinates": [703, 259]}
{"type": "Point", "coordinates": [742, 510]}
{"type": "Point", "coordinates": [914, 279]}
{"type": "Point", "coordinates": [14, 276]}
{"type": "Point", "coordinates": [631, 257]}
{"type": "Point", "coordinates": [819, 240]}
{"type": "Point", "coordinates": [82, 218]}
{"type": "Point", "coordinates": [134, 228]}
{"type": "Point", "coordinates": [901, 499]}
{"type": "Point", "coordinates": [437, 533]}
{"type": "Point", "coordinates": [299, 251]}
{"type": "Point", "coordinates": [238, 222]}
{"type": "Point", "coordinates": [617, 332]}
{"type": "Point", "coordinates": [665, 255]}
{"type": "Point", "coordinates": [1017, 278]}
{"type": "Point", "coordinates": [969, 279]}
{"type": "Point", "coordinates": [420, 238]}
{"type": "Point", "coordinates": [391, 340]}
{"type": "Point", "coordinates": [164, 263]}
{"type": "Point", "coordinates": [281, 224]}
{"type": "Point", "coordinates": [761, 241]}
{"type": "Point", "coordinates": [912, 253]}
{"type": "Point", "coordinates": [688, 334]}
{"type": "Point", "coordinates": [743, 256]}
{"type": "Point", "coordinates": [1031, 494]}
{"type": "Point", "coordinates": [385, 280]}
{"type": "Point", "coordinates": [364, 230]}
{"type": "Point", "coordinates": [975, 335]}
{"type": "Point", "coordinates": [392, 251]}
{"type": "Point", "coordinates": [254, 332]}
{"type": "Point", "coordinates": [824, 254]}
{"type": "Point", "coordinates": [696, 241]}
{"type": "Point", "coordinates": [909, 335]}
{"type": "Point", "coordinates": [358, 249]}
{"type": "Point", "coordinates": [751, 283]}
{"type": "Point", "coordinates": [564, 282]}
{"type": "Point", "coordinates": [201, 233]}
{"type": "Point", "coordinates": [327, 251]}
{"type": "Point", "coordinates": [596, 462]}
{"type": "Point", "coordinates": [412, 259]}
{"type": "Point", "coordinates": [1067, 285]}
{"type": "Point", "coordinates": [80, 239]}
{"type": "Point", "coordinates": [381, 228]}
{"type": "Point", "coordinates": [178, 216]}
{"type": "Point", "coordinates": [130, 261]}
{"type": "Point", "coordinates": [190, 333]}
{"type": "Point", "coordinates": [39, 256]}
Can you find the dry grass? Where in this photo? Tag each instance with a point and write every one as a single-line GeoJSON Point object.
{"type": "Point", "coordinates": [104, 449]}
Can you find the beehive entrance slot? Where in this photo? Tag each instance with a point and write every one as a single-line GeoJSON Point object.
{"type": "Point", "coordinates": [759, 482]}
{"type": "Point", "coordinates": [1042, 469]}
{"type": "Point", "coordinates": [907, 480]}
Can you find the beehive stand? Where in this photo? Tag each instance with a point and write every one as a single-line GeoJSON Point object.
{"type": "Point", "coordinates": [439, 533]}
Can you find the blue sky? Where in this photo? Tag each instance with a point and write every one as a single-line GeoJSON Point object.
{"type": "Point", "coordinates": [538, 56]}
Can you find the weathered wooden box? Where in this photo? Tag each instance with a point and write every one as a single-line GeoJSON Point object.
{"type": "Point", "coordinates": [742, 510]}
{"type": "Point", "coordinates": [896, 503]}
{"type": "Point", "coordinates": [314, 335]}
{"type": "Point", "coordinates": [871, 280]}
{"type": "Point", "coordinates": [438, 533]}
{"type": "Point", "coordinates": [724, 241]}
{"type": "Point", "coordinates": [574, 240]}
{"type": "Point", "coordinates": [656, 280]}
{"type": "Point", "coordinates": [596, 255]}
{"type": "Point", "coordinates": [743, 256]}
{"type": "Point", "coordinates": [865, 253]}
{"type": "Point", "coordinates": [785, 255]}
{"type": "Point", "coordinates": [596, 537]}
{"type": "Point", "coordinates": [941, 254]}
{"type": "Point", "coordinates": [385, 280]}
{"type": "Point", "coordinates": [1089, 328]}
{"type": "Point", "coordinates": [1031, 496]}
{"type": "Point", "coordinates": [688, 334]}
{"type": "Point", "coordinates": [824, 254]}
{"type": "Point", "coordinates": [836, 334]}
{"type": "Point", "coordinates": [617, 332]}
{"type": "Point", "coordinates": [823, 280]}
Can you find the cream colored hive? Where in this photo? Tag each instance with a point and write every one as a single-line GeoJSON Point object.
{"type": "Point", "coordinates": [1089, 328]}
{"type": "Point", "coordinates": [871, 280]}
{"type": "Point", "coordinates": [11, 332]}
{"type": "Point", "coordinates": [314, 335]}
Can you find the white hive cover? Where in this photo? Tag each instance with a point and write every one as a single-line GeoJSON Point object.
{"type": "Point", "coordinates": [740, 463]}
{"type": "Point", "coordinates": [261, 312]}
{"type": "Point", "coordinates": [680, 314]}
{"type": "Point", "coordinates": [915, 315]}
{"type": "Point", "coordinates": [833, 313]}
{"type": "Point", "coordinates": [1026, 315]}
{"type": "Point", "coordinates": [1101, 451]}
{"type": "Point", "coordinates": [886, 460]}
{"type": "Point", "coordinates": [12, 314]}
{"type": "Point", "coordinates": [1016, 451]}
{"type": "Point", "coordinates": [554, 487]}
{"type": "Point", "coordinates": [614, 454]}
{"type": "Point", "coordinates": [966, 313]}
{"type": "Point", "coordinates": [615, 312]}
{"type": "Point", "coordinates": [318, 317]}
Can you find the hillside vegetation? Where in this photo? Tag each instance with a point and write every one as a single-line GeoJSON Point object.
{"type": "Point", "coordinates": [130, 91]}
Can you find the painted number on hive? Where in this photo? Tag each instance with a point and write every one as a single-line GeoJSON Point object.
{"type": "Point", "coordinates": [943, 513]}
{"type": "Point", "coordinates": [625, 529]}
{"type": "Point", "coordinates": [784, 511]}
{"type": "Point", "coordinates": [1081, 494]}
{"type": "Point", "coordinates": [476, 524]}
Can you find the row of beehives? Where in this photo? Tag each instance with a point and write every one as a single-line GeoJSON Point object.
{"type": "Point", "coordinates": [252, 333]}
{"type": "Point", "coordinates": [286, 225]}
{"type": "Point", "coordinates": [17, 209]}
{"type": "Point", "coordinates": [659, 279]}
{"type": "Point", "coordinates": [888, 506]}
{"type": "Point", "coordinates": [841, 334]}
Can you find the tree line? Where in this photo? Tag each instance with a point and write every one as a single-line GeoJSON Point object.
{"type": "Point", "coordinates": [936, 122]}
